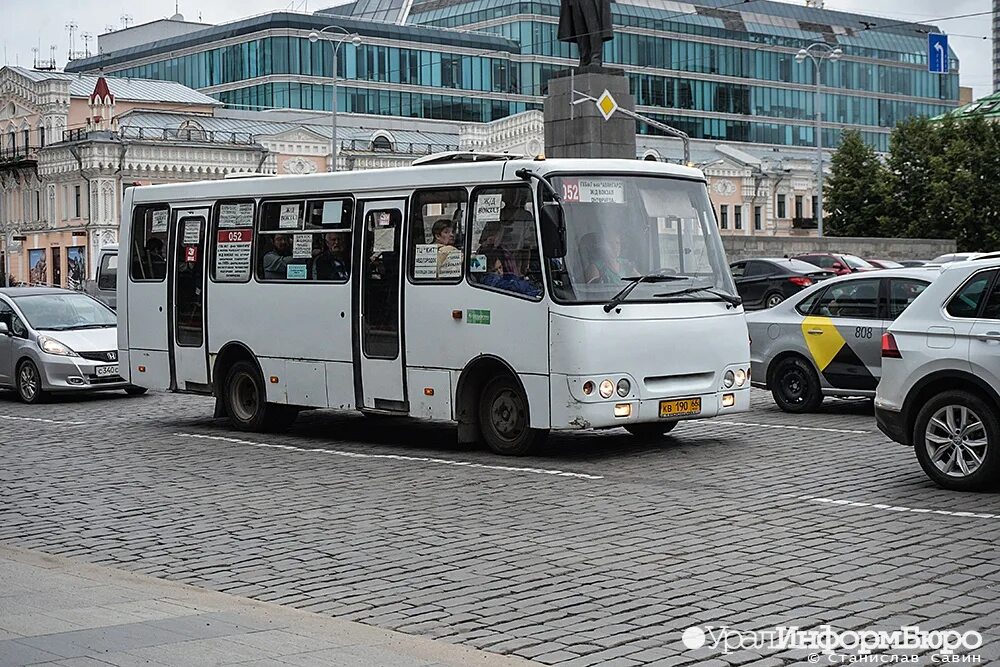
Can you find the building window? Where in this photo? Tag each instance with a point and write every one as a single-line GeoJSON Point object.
{"type": "Point", "coordinates": [76, 201]}
{"type": "Point", "coordinates": [798, 206]}
{"type": "Point", "coordinates": [737, 217]}
{"type": "Point", "coordinates": [815, 203]}
{"type": "Point", "coordinates": [27, 140]}
{"type": "Point", "coordinates": [723, 216]}
{"type": "Point", "coordinates": [781, 207]}
{"type": "Point", "coordinates": [41, 136]}
{"type": "Point", "coordinates": [756, 219]}
{"type": "Point", "coordinates": [381, 143]}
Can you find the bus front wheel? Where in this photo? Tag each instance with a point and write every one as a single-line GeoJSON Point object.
{"type": "Point", "coordinates": [246, 402]}
{"type": "Point", "coordinates": [503, 418]}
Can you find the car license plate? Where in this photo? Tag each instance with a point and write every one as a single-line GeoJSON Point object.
{"type": "Point", "coordinates": [106, 371]}
{"type": "Point", "coordinates": [680, 407]}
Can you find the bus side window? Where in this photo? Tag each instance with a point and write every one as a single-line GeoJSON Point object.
{"type": "Point", "coordinates": [504, 243]}
{"type": "Point", "coordinates": [305, 240]}
{"type": "Point", "coordinates": [437, 235]}
{"type": "Point", "coordinates": [148, 243]}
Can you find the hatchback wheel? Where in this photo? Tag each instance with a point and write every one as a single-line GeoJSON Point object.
{"type": "Point", "coordinates": [29, 383]}
{"type": "Point", "coordinates": [773, 299]}
{"type": "Point", "coordinates": [795, 386]}
{"type": "Point", "coordinates": [956, 436]}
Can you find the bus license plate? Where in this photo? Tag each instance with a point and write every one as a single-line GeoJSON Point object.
{"type": "Point", "coordinates": [680, 407]}
{"type": "Point", "coordinates": [106, 371]}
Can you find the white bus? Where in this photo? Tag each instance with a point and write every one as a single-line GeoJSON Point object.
{"type": "Point", "coordinates": [514, 297]}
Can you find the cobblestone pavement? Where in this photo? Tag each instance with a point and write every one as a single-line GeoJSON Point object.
{"type": "Point", "coordinates": [602, 549]}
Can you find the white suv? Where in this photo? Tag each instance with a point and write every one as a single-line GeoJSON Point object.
{"type": "Point", "coordinates": [940, 386]}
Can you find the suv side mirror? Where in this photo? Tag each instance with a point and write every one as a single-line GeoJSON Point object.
{"type": "Point", "coordinates": [4, 329]}
{"type": "Point", "coordinates": [553, 230]}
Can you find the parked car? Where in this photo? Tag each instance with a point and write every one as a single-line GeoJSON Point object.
{"type": "Point", "coordinates": [826, 340]}
{"type": "Point", "coordinates": [950, 257]}
{"type": "Point", "coordinates": [940, 389]}
{"type": "Point", "coordinates": [884, 264]}
{"type": "Point", "coordinates": [838, 263]}
{"type": "Point", "coordinates": [105, 283]}
{"type": "Point", "coordinates": [57, 340]}
{"type": "Point", "coordinates": [764, 283]}
{"type": "Point", "coordinates": [908, 263]}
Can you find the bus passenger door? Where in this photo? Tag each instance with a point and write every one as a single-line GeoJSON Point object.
{"type": "Point", "coordinates": [189, 360]}
{"type": "Point", "coordinates": [379, 309]}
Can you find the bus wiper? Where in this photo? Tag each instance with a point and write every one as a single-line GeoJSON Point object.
{"type": "Point", "coordinates": [633, 281]}
{"type": "Point", "coordinates": [728, 298]}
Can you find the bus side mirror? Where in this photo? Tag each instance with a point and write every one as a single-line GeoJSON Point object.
{"type": "Point", "coordinates": [553, 230]}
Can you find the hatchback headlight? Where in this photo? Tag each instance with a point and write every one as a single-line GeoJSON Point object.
{"type": "Point", "coordinates": [52, 346]}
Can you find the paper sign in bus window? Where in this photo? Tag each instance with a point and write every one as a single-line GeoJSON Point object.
{"type": "Point", "coordinates": [477, 263]}
{"type": "Point", "coordinates": [488, 207]}
{"type": "Point", "coordinates": [159, 225]}
{"type": "Point", "coordinates": [295, 272]}
{"type": "Point", "coordinates": [450, 265]}
{"type": "Point", "coordinates": [333, 212]}
{"type": "Point", "coordinates": [425, 261]}
{"type": "Point", "coordinates": [602, 191]}
{"type": "Point", "coordinates": [192, 232]}
{"type": "Point", "coordinates": [236, 215]}
{"type": "Point", "coordinates": [232, 254]}
{"type": "Point", "coordinates": [302, 246]}
{"type": "Point", "coordinates": [384, 240]}
{"type": "Point", "coordinates": [288, 218]}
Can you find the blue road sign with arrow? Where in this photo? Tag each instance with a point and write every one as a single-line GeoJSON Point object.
{"type": "Point", "coordinates": [937, 53]}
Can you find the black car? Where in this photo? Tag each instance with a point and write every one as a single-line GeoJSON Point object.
{"type": "Point", "coordinates": [764, 283]}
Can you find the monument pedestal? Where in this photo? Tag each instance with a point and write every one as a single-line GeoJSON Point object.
{"type": "Point", "coordinates": [580, 131]}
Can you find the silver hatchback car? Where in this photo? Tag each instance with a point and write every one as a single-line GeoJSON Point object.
{"type": "Point", "coordinates": [56, 340]}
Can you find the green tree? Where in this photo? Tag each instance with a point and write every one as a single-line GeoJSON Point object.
{"type": "Point", "coordinates": [854, 196]}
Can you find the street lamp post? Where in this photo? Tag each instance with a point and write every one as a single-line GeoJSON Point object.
{"type": "Point", "coordinates": [818, 52]}
{"type": "Point", "coordinates": [335, 43]}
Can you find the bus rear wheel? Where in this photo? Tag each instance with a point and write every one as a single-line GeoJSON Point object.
{"type": "Point", "coordinates": [503, 418]}
{"type": "Point", "coordinates": [246, 402]}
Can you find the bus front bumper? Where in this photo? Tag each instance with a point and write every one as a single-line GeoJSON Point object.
{"type": "Point", "coordinates": [571, 414]}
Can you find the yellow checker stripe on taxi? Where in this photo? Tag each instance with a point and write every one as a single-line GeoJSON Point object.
{"type": "Point", "coordinates": [823, 347]}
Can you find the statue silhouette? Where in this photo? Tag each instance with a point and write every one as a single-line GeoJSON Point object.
{"type": "Point", "coordinates": [588, 23]}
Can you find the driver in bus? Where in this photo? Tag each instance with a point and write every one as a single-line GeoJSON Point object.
{"type": "Point", "coordinates": [610, 266]}
{"type": "Point", "coordinates": [277, 259]}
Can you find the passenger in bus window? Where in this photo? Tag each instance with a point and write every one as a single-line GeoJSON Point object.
{"type": "Point", "coordinates": [331, 262]}
{"type": "Point", "coordinates": [509, 282]}
{"type": "Point", "coordinates": [277, 259]}
{"type": "Point", "coordinates": [609, 266]}
{"type": "Point", "coordinates": [443, 232]}
{"type": "Point", "coordinates": [491, 241]}
{"type": "Point", "coordinates": [156, 261]}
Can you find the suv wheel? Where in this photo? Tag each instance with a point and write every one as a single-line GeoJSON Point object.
{"type": "Point", "coordinates": [956, 437]}
{"type": "Point", "coordinates": [795, 386]}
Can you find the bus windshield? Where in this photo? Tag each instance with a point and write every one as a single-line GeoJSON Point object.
{"type": "Point", "coordinates": [623, 226]}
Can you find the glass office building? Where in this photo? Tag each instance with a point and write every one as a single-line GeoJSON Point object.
{"type": "Point", "coordinates": [717, 69]}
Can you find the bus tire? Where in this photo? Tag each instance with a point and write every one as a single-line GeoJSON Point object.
{"type": "Point", "coordinates": [650, 429]}
{"type": "Point", "coordinates": [246, 406]}
{"type": "Point", "coordinates": [503, 418]}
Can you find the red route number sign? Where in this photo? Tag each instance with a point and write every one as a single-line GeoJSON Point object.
{"type": "Point", "coordinates": [190, 253]}
{"type": "Point", "coordinates": [571, 189]}
{"type": "Point", "coordinates": [236, 236]}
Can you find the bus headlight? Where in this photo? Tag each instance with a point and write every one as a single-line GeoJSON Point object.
{"type": "Point", "coordinates": [607, 388]}
{"type": "Point", "coordinates": [728, 379]}
{"type": "Point", "coordinates": [588, 387]}
{"type": "Point", "coordinates": [624, 386]}
{"type": "Point", "coordinates": [741, 377]}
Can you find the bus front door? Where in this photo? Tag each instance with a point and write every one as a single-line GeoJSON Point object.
{"type": "Point", "coordinates": [379, 313]}
{"type": "Point", "coordinates": [188, 357]}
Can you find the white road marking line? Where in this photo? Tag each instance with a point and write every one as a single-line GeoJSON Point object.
{"type": "Point", "coordinates": [895, 508]}
{"type": "Point", "coordinates": [40, 419]}
{"type": "Point", "coordinates": [394, 457]}
{"type": "Point", "coordinates": [711, 422]}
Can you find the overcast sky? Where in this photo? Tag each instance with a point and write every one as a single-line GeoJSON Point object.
{"type": "Point", "coordinates": [30, 23]}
